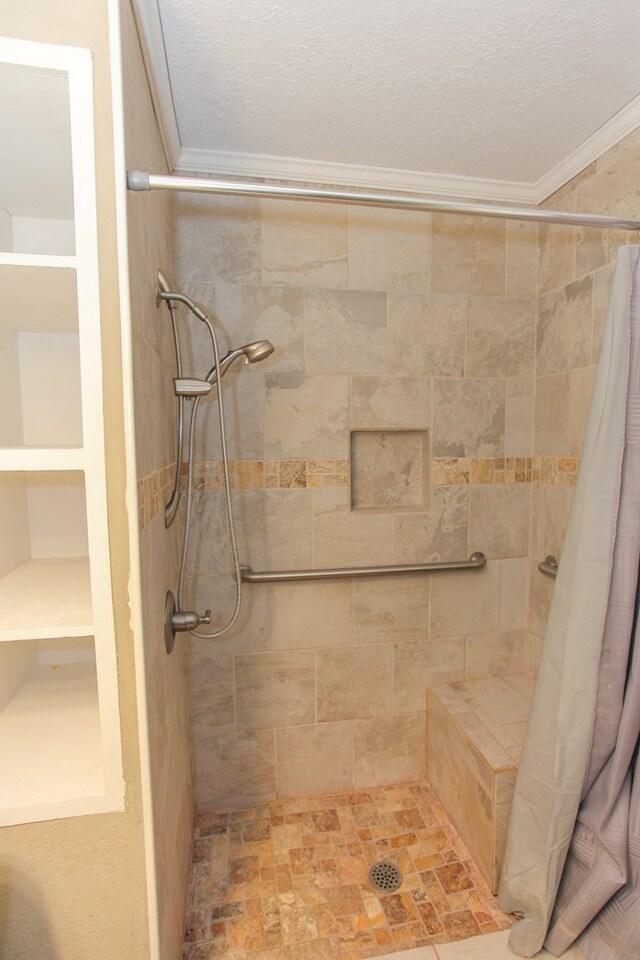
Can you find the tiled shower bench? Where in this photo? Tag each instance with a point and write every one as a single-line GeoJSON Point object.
{"type": "Point", "coordinates": [475, 731]}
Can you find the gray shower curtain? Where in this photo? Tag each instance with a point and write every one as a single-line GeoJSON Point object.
{"type": "Point", "coordinates": [572, 866]}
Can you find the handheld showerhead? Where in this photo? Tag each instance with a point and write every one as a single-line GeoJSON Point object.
{"type": "Point", "coordinates": [260, 350]}
{"type": "Point", "coordinates": [251, 352]}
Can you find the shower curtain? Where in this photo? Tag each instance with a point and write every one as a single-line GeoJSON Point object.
{"type": "Point", "coordinates": [572, 865]}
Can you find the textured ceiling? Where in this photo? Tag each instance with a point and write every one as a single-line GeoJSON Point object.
{"type": "Point", "coordinates": [499, 89]}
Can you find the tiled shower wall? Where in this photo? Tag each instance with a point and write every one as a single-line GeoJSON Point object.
{"type": "Point", "coordinates": [575, 275]}
{"type": "Point", "coordinates": [150, 247]}
{"type": "Point", "coordinates": [382, 322]}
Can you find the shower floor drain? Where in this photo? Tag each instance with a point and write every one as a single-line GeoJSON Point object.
{"type": "Point", "coordinates": [385, 877]}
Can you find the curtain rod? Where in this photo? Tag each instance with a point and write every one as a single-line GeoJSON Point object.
{"type": "Point", "coordinates": [139, 180]}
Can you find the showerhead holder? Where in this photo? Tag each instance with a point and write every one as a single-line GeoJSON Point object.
{"type": "Point", "coordinates": [162, 286]}
{"type": "Point", "coordinates": [190, 387]}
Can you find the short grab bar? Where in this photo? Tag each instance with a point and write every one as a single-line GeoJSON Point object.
{"type": "Point", "coordinates": [549, 566]}
{"type": "Point", "coordinates": [475, 562]}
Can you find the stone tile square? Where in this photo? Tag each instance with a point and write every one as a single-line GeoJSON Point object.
{"type": "Point", "coordinates": [246, 932]}
{"type": "Point", "coordinates": [428, 913]}
{"type": "Point", "coordinates": [460, 924]}
{"type": "Point", "coordinates": [274, 689]}
{"type": "Point", "coordinates": [298, 924]}
{"type": "Point", "coordinates": [244, 870]}
{"type": "Point", "coordinates": [346, 899]}
{"type": "Point", "coordinates": [324, 820]}
{"type": "Point", "coordinates": [410, 818]}
{"type": "Point", "coordinates": [354, 682]}
{"type": "Point", "coordinates": [399, 908]}
{"type": "Point", "coordinates": [453, 877]}
{"type": "Point", "coordinates": [345, 331]}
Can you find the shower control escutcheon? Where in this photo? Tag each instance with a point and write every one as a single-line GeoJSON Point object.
{"type": "Point", "coordinates": [179, 621]}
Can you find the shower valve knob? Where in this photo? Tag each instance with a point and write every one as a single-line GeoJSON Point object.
{"type": "Point", "coordinates": [183, 620]}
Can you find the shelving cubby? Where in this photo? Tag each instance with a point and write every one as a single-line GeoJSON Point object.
{"type": "Point", "coordinates": [60, 752]}
{"type": "Point", "coordinates": [50, 740]}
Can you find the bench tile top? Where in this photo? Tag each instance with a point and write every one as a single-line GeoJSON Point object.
{"type": "Point", "coordinates": [492, 713]}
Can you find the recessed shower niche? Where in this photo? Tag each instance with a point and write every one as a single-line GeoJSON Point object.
{"type": "Point", "coordinates": [390, 470]}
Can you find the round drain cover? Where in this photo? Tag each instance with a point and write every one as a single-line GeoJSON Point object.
{"type": "Point", "coordinates": [385, 876]}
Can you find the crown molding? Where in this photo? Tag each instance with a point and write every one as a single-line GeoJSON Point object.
{"type": "Point", "coordinates": [261, 166]}
{"type": "Point", "coordinates": [149, 25]}
{"type": "Point", "coordinates": [608, 135]}
{"type": "Point", "coordinates": [265, 167]}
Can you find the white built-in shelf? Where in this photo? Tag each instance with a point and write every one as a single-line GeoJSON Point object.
{"type": "Point", "coordinates": [60, 744]}
{"type": "Point", "coordinates": [46, 598]}
{"type": "Point", "coordinates": [50, 744]}
{"type": "Point", "coordinates": [38, 293]}
{"type": "Point", "coordinates": [41, 458]}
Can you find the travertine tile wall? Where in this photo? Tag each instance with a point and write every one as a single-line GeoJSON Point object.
{"type": "Point", "coordinates": [575, 275]}
{"type": "Point", "coordinates": [472, 333]}
{"type": "Point", "coordinates": [150, 247]}
{"type": "Point", "coordinates": [381, 321]}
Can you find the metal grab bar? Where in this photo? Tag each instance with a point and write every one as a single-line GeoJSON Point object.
{"type": "Point", "coordinates": [475, 562]}
{"type": "Point", "coordinates": [549, 566]}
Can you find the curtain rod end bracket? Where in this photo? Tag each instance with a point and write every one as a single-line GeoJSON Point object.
{"type": "Point", "coordinates": [137, 180]}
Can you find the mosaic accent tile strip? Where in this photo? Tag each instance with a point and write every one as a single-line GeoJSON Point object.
{"type": "Point", "coordinates": [154, 489]}
{"type": "Point", "coordinates": [291, 878]}
{"type": "Point", "coordinates": [558, 471]}
{"type": "Point", "coordinates": [555, 471]}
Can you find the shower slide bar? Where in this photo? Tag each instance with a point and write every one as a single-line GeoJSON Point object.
{"type": "Point", "coordinates": [140, 180]}
{"type": "Point", "coordinates": [475, 562]}
{"type": "Point", "coordinates": [549, 566]}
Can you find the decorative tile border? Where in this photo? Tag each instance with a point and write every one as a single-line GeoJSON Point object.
{"type": "Point", "coordinates": [558, 471]}
{"type": "Point", "coordinates": [453, 471]}
{"type": "Point", "coordinates": [553, 471]}
{"type": "Point", "coordinates": [155, 488]}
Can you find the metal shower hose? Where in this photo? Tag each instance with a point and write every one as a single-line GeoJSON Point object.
{"type": "Point", "coordinates": [227, 490]}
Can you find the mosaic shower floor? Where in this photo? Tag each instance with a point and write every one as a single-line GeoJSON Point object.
{"type": "Point", "coordinates": [289, 880]}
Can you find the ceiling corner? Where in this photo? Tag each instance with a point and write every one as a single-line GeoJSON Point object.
{"type": "Point", "coordinates": [607, 136]}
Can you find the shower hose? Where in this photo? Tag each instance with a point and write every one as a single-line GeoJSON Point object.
{"type": "Point", "coordinates": [227, 491]}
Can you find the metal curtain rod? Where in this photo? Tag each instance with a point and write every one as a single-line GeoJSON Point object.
{"type": "Point", "coordinates": [139, 180]}
{"type": "Point", "coordinates": [475, 562]}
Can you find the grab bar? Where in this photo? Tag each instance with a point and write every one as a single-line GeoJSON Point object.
{"type": "Point", "coordinates": [475, 562]}
{"type": "Point", "coordinates": [549, 566]}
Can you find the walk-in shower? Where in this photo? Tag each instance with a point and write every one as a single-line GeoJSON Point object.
{"type": "Point", "coordinates": [193, 389]}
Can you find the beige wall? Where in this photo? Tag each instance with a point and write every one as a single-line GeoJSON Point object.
{"type": "Point", "coordinates": [575, 274]}
{"type": "Point", "coordinates": [72, 889]}
{"type": "Point", "coordinates": [150, 249]}
{"type": "Point", "coordinates": [382, 322]}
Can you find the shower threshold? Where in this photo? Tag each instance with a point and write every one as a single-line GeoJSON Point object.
{"type": "Point", "coordinates": [289, 880]}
